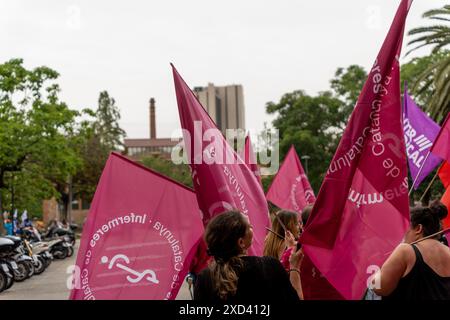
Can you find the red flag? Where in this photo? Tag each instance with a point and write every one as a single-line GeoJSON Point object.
{"type": "Point", "coordinates": [444, 174]}
{"type": "Point", "coordinates": [139, 236]}
{"type": "Point", "coordinates": [290, 189]}
{"type": "Point", "coordinates": [441, 146]}
{"type": "Point", "coordinates": [221, 181]}
{"type": "Point", "coordinates": [362, 210]}
{"type": "Point", "coordinates": [446, 201]}
{"type": "Point", "coordinates": [249, 158]}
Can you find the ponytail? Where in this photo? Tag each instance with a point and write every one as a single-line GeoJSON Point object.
{"type": "Point", "coordinates": [221, 236]}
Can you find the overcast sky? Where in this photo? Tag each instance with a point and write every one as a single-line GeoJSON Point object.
{"type": "Point", "coordinates": [270, 47]}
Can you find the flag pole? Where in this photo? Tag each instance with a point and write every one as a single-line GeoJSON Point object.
{"type": "Point", "coordinates": [429, 185]}
{"type": "Point", "coordinates": [432, 236]}
{"type": "Point", "coordinates": [418, 174]}
{"type": "Point", "coordinates": [275, 233]}
{"type": "Point", "coordinates": [281, 222]}
{"type": "Point", "coordinates": [427, 237]}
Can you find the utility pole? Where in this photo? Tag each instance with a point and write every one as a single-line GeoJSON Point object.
{"type": "Point", "coordinates": [69, 206]}
{"type": "Point", "coordinates": [306, 158]}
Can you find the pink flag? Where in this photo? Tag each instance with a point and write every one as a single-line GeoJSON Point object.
{"type": "Point", "coordinates": [362, 210]}
{"type": "Point", "coordinates": [290, 188]}
{"type": "Point", "coordinates": [220, 181]}
{"type": "Point", "coordinates": [441, 146]}
{"type": "Point", "coordinates": [249, 158]}
{"type": "Point", "coordinates": [138, 237]}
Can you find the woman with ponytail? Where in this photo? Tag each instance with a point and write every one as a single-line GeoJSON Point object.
{"type": "Point", "coordinates": [233, 277]}
{"type": "Point", "coordinates": [419, 271]}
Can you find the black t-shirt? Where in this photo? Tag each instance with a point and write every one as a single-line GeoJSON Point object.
{"type": "Point", "coordinates": [260, 279]}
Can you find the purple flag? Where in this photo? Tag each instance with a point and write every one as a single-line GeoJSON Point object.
{"type": "Point", "coordinates": [420, 132]}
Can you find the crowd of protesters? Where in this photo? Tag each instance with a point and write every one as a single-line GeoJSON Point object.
{"type": "Point", "coordinates": [418, 269]}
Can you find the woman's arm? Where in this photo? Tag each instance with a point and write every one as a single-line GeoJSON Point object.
{"type": "Point", "coordinates": [386, 280]}
{"type": "Point", "coordinates": [295, 261]}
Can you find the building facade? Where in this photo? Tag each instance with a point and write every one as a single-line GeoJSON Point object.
{"type": "Point", "coordinates": [224, 104]}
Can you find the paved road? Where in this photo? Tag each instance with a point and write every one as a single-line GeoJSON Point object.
{"type": "Point", "coordinates": [51, 284]}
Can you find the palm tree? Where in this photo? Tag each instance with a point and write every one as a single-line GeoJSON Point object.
{"type": "Point", "coordinates": [435, 78]}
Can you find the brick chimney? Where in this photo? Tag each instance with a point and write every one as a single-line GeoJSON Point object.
{"type": "Point", "coordinates": [152, 119]}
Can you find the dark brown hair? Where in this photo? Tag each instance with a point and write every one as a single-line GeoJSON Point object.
{"type": "Point", "coordinates": [221, 236]}
{"type": "Point", "coordinates": [429, 217]}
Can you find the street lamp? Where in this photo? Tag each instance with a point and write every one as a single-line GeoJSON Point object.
{"type": "Point", "coordinates": [306, 158]}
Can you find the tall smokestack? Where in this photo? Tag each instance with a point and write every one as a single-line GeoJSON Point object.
{"type": "Point", "coordinates": [152, 119]}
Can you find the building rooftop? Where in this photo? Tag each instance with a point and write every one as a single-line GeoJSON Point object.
{"type": "Point", "coordinates": [158, 142]}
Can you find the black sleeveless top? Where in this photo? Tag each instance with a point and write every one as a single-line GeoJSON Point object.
{"type": "Point", "coordinates": [261, 279]}
{"type": "Point", "coordinates": [421, 283]}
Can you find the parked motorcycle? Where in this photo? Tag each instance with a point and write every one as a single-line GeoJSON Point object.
{"type": "Point", "coordinates": [6, 269]}
{"type": "Point", "coordinates": [24, 262]}
{"type": "Point", "coordinates": [38, 259]}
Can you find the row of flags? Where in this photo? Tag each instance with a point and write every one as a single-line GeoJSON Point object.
{"type": "Point", "coordinates": [144, 231]}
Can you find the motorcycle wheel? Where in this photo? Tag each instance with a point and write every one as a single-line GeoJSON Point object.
{"type": "Point", "coordinates": [70, 251]}
{"type": "Point", "coordinates": [39, 267]}
{"type": "Point", "coordinates": [30, 269]}
{"type": "Point", "coordinates": [48, 262]}
{"type": "Point", "coordinates": [3, 281]}
{"type": "Point", "coordinates": [22, 272]}
{"type": "Point", "coordinates": [60, 253]}
{"type": "Point", "coordinates": [10, 280]}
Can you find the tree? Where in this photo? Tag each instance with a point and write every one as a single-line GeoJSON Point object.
{"type": "Point", "coordinates": [180, 173]}
{"type": "Point", "coordinates": [314, 124]}
{"type": "Point", "coordinates": [420, 84]}
{"type": "Point", "coordinates": [436, 77]}
{"type": "Point", "coordinates": [347, 85]}
{"type": "Point", "coordinates": [33, 128]}
{"type": "Point", "coordinates": [106, 126]}
{"type": "Point", "coordinates": [95, 138]}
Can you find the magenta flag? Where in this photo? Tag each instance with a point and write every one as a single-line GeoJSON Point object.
{"type": "Point", "coordinates": [249, 158]}
{"type": "Point", "coordinates": [222, 182]}
{"type": "Point", "coordinates": [420, 133]}
{"type": "Point", "coordinates": [362, 210]}
{"type": "Point", "coordinates": [290, 189]}
{"type": "Point", "coordinates": [138, 238]}
{"type": "Point", "coordinates": [441, 146]}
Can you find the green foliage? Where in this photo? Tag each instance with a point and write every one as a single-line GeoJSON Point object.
{"type": "Point", "coordinates": [434, 78]}
{"type": "Point", "coordinates": [421, 83]}
{"type": "Point", "coordinates": [106, 126]}
{"type": "Point", "coordinates": [33, 128]}
{"type": "Point", "coordinates": [314, 124]}
{"type": "Point", "coordinates": [94, 140]}
{"type": "Point", "coordinates": [180, 173]}
{"type": "Point", "coordinates": [44, 145]}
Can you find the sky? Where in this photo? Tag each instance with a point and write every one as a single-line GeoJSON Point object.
{"type": "Point", "coordinates": [125, 47]}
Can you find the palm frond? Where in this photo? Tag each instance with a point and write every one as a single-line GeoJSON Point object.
{"type": "Point", "coordinates": [441, 45]}
{"type": "Point", "coordinates": [435, 12]}
{"type": "Point", "coordinates": [434, 82]}
{"type": "Point", "coordinates": [430, 29]}
{"type": "Point", "coordinates": [439, 18]}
